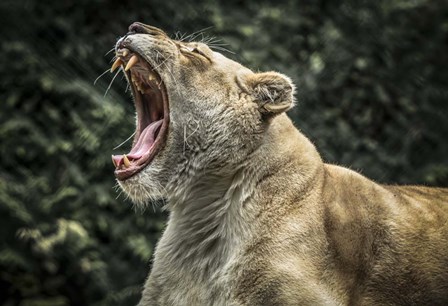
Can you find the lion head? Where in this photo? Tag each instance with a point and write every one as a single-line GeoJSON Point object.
{"type": "Point", "coordinates": [198, 112]}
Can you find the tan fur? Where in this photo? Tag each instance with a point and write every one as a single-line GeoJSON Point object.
{"type": "Point", "coordinates": [256, 217]}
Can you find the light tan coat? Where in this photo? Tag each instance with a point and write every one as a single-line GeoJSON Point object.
{"type": "Point", "coordinates": [256, 217]}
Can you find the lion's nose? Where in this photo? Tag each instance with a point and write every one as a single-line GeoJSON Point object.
{"type": "Point", "coordinates": [141, 28]}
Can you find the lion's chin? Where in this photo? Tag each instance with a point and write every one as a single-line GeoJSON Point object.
{"type": "Point", "coordinates": [143, 188]}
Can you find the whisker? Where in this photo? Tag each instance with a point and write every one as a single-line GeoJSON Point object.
{"type": "Point", "coordinates": [109, 51]}
{"type": "Point", "coordinates": [213, 40]}
{"type": "Point", "coordinates": [185, 139]}
{"type": "Point", "coordinates": [102, 74]}
{"type": "Point", "coordinates": [210, 40]}
{"type": "Point", "coordinates": [217, 44]}
{"type": "Point", "coordinates": [110, 84]}
{"type": "Point", "coordinates": [193, 35]}
{"type": "Point", "coordinates": [222, 49]}
{"type": "Point", "coordinates": [182, 36]}
{"type": "Point", "coordinates": [178, 36]}
{"type": "Point", "coordinates": [155, 68]}
{"type": "Point", "coordinates": [119, 195]}
{"type": "Point", "coordinates": [172, 77]}
{"type": "Point", "coordinates": [124, 141]}
{"type": "Point", "coordinates": [128, 86]}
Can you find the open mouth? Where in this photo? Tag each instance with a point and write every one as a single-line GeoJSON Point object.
{"type": "Point", "coordinates": [151, 104]}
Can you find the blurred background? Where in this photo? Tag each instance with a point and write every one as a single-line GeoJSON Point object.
{"type": "Point", "coordinates": [372, 83]}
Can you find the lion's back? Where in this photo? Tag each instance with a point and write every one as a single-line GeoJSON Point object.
{"type": "Point", "coordinates": [433, 196]}
{"type": "Point", "coordinates": [397, 236]}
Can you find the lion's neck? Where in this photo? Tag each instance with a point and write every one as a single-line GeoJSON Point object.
{"type": "Point", "coordinates": [208, 222]}
{"type": "Point", "coordinates": [211, 218]}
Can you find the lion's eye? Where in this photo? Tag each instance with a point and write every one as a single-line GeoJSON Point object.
{"type": "Point", "coordinates": [192, 50]}
{"type": "Point", "coordinates": [186, 49]}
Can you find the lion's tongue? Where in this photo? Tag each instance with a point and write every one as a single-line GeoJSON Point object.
{"type": "Point", "coordinates": [144, 143]}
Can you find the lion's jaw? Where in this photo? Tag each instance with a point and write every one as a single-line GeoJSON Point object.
{"type": "Point", "coordinates": [217, 115]}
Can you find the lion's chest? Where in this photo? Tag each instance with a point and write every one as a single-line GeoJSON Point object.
{"type": "Point", "coordinates": [182, 277]}
{"type": "Point", "coordinates": [189, 282]}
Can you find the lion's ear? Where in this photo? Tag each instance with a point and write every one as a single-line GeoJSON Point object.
{"type": "Point", "coordinates": [274, 92]}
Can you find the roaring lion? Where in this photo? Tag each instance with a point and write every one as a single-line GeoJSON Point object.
{"type": "Point", "coordinates": [256, 217]}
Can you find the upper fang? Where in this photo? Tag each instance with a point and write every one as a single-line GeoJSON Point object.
{"type": "Point", "coordinates": [117, 63]}
{"type": "Point", "coordinates": [132, 62]}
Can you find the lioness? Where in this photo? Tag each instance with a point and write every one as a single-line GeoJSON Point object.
{"type": "Point", "coordinates": [256, 217]}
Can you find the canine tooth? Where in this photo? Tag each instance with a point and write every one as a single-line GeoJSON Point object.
{"type": "Point", "coordinates": [126, 161]}
{"type": "Point", "coordinates": [113, 161]}
{"type": "Point", "coordinates": [115, 65]}
{"type": "Point", "coordinates": [125, 52]}
{"type": "Point", "coordinates": [132, 62]}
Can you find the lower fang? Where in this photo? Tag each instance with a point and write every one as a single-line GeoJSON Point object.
{"type": "Point", "coordinates": [126, 161]}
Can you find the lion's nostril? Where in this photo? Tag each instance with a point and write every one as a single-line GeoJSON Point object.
{"type": "Point", "coordinates": [137, 27]}
{"type": "Point", "coordinates": [140, 28]}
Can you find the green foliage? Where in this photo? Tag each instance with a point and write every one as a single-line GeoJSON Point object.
{"type": "Point", "coordinates": [372, 92]}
